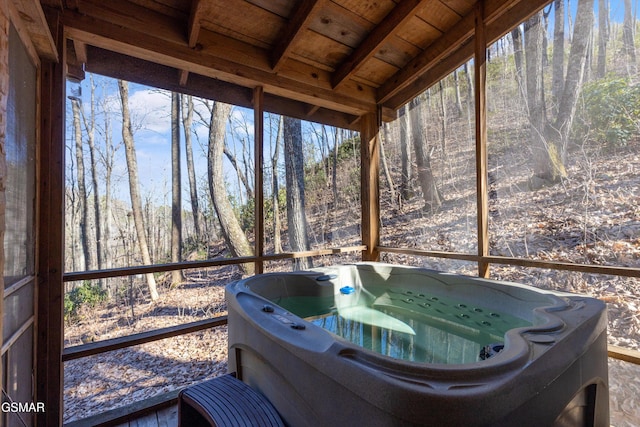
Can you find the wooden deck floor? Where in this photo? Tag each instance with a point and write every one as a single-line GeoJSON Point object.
{"type": "Point", "coordinates": [167, 417]}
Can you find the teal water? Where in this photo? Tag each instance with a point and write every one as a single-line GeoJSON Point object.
{"type": "Point", "coordinates": [436, 329]}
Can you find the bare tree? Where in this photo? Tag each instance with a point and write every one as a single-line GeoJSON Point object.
{"type": "Point", "coordinates": [134, 190]}
{"type": "Point", "coordinates": [294, 162]}
{"type": "Point", "coordinates": [603, 37]}
{"type": "Point", "coordinates": [275, 188]}
{"type": "Point", "coordinates": [430, 193]}
{"type": "Point", "coordinates": [628, 46]}
{"type": "Point", "coordinates": [549, 139]}
{"type": "Point", "coordinates": [235, 238]}
{"type": "Point", "coordinates": [557, 60]}
{"type": "Point", "coordinates": [82, 189]}
{"type": "Point", "coordinates": [518, 55]}
{"type": "Point", "coordinates": [176, 189]}
{"type": "Point", "coordinates": [405, 154]}
{"type": "Point", "coordinates": [90, 127]}
{"type": "Point", "coordinates": [187, 123]}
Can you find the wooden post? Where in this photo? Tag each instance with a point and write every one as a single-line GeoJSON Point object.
{"type": "Point", "coordinates": [481, 138]}
{"type": "Point", "coordinates": [370, 188]}
{"type": "Point", "coordinates": [4, 94]}
{"type": "Point", "coordinates": [50, 264]}
{"type": "Point", "coordinates": [258, 140]}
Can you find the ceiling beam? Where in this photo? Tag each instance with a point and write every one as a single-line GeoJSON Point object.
{"type": "Point", "coordinates": [398, 16]}
{"type": "Point", "coordinates": [217, 56]}
{"type": "Point", "coordinates": [298, 23]}
{"type": "Point", "coordinates": [120, 66]}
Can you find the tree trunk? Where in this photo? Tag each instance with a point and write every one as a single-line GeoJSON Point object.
{"type": "Point", "coordinates": [134, 190]}
{"type": "Point", "coordinates": [296, 219]}
{"type": "Point", "coordinates": [90, 127]}
{"type": "Point", "coordinates": [385, 165]}
{"type": "Point", "coordinates": [109, 152]}
{"type": "Point", "coordinates": [628, 46]}
{"type": "Point", "coordinates": [430, 193]}
{"type": "Point", "coordinates": [235, 238]}
{"type": "Point", "coordinates": [516, 36]}
{"type": "Point", "coordinates": [456, 82]}
{"type": "Point", "coordinates": [82, 190]}
{"type": "Point", "coordinates": [603, 37]}
{"type": "Point", "coordinates": [543, 154]}
{"type": "Point", "coordinates": [187, 122]}
{"type": "Point", "coordinates": [405, 154]}
{"type": "Point", "coordinates": [275, 190]}
{"type": "Point", "coordinates": [557, 73]}
{"type": "Point", "coordinates": [176, 189]}
{"type": "Point", "coordinates": [576, 65]}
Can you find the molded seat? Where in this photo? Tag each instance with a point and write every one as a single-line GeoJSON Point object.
{"type": "Point", "coordinates": [225, 402]}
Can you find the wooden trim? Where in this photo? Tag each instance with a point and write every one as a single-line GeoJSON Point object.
{"type": "Point", "coordinates": [144, 269]}
{"type": "Point", "coordinates": [428, 253]}
{"type": "Point", "coordinates": [128, 271]}
{"type": "Point", "coordinates": [50, 217]}
{"type": "Point", "coordinates": [17, 334]}
{"type": "Point", "coordinates": [30, 17]}
{"type": "Point", "coordinates": [258, 141]}
{"type": "Point", "coordinates": [520, 262]}
{"type": "Point", "coordinates": [22, 30]}
{"type": "Point", "coordinates": [624, 354]}
{"type": "Point", "coordinates": [18, 285]}
{"type": "Point", "coordinates": [369, 185]}
{"type": "Point", "coordinates": [123, 414]}
{"type": "Point", "coordinates": [398, 16]}
{"type": "Point", "coordinates": [480, 77]}
{"type": "Point", "coordinates": [94, 348]}
{"type": "Point", "coordinates": [126, 67]}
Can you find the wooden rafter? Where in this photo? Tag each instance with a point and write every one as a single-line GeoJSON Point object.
{"type": "Point", "coordinates": [298, 23]}
{"type": "Point", "coordinates": [193, 28]}
{"type": "Point", "coordinates": [381, 34]}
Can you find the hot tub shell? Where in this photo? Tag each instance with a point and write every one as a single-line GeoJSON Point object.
{"type": "Point", "coordinates": [551, 373]}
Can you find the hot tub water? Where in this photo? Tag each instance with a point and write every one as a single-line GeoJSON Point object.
{"type": "Point", "coordinates": [407, 325]}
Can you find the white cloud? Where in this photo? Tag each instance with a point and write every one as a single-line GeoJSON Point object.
{"type": "Point", "coordinates": [151, 110]}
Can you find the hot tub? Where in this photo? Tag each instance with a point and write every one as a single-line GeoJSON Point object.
{"type": "Point", "coordinates": [383, 345]}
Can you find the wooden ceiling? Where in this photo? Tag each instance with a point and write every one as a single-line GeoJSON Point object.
{"type": "Point", "coordinates": [324, 60]}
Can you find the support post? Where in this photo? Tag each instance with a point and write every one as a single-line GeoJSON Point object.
{"type": "Point", "coordinates": [370, 186]}
{"type": "Point", "coordinates": [258, 140]}
{"type": "Point", "coordinates": [480, 76]}
{"type": "Point", "coordinates": [50, 261]}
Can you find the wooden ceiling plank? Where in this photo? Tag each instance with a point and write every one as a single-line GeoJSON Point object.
{"type": "Point", "coordinates": [193, 28]}
{"type": "Point", "coordinates": [436, 51]}
{"type": "Point", "coordinates": [298, 82]}
{"type": "Point", "coordinates": [380, 34]}
{"type": "Point", "coordinates": [298, 24]}
{"type": "Point", "coordinates": [445, 45]}
{"type": "Point", "coordinates": [498, 16]}
{"type": "Point", "coordinates": [243, 21]}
